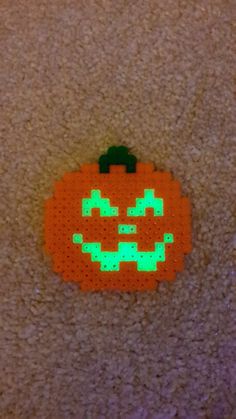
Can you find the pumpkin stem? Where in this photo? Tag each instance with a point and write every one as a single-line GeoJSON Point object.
{"type": "Point", "coordinates": [117, 155]}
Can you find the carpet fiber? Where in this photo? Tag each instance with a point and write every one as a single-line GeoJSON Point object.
{"type": "Point", "coordinates": [77, 77]}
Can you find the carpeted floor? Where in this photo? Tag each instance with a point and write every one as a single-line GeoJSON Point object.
{"type": "Point", "coordinates": [76, 77]}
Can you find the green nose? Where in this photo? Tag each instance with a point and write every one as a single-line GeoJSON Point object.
{"type": "Point", "coordinates": [127, 228]}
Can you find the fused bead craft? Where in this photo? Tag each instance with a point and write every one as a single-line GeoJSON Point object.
{"type": "Point", "coordinates": [117, 225]}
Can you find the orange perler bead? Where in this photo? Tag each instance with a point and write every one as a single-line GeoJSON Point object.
{"type": "Point", "coordinates": [117, 225]}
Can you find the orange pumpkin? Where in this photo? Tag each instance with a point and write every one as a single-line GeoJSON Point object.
{"type": "Point", "coordinates": [117, 225]}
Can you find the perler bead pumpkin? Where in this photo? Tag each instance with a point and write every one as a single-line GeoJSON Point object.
{"type": "Point", "coordinates": [117, 225]}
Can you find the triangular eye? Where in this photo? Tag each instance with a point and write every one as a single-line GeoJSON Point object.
{"type": "Point", "coordinates": [148, 201]}
{"type": "Point", "coordinates": [96, 201]}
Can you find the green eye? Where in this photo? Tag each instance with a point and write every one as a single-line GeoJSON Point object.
{"type": "Point", "coordinates": [148, 201]}
{"type": "Point", "coordinates": [96, 201]}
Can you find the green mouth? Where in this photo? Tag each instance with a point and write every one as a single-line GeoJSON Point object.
{"type": "Point", "coordinates": [127, 252]}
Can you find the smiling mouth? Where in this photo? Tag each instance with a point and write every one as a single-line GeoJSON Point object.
{"type": "Point", "coordinates": [127, 252]}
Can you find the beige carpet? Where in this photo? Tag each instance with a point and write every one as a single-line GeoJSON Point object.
{"type": "Point", "coordinates": [76, 77]}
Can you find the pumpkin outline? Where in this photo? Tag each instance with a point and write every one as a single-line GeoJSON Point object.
{"type": "Point", "coordinates": [73, 265]}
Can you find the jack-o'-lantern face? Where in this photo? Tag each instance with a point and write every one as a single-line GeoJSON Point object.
{"type": "Point", "coordinates": [117, 230]}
